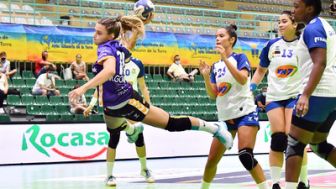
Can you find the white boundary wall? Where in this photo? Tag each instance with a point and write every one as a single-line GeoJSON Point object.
{"type": "Point", "coordinates": [42, 143]}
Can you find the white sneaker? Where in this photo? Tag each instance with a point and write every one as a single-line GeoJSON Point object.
{"type": "Point", "coordinates": [111, 181]}
{"type": "Point", "coordinates": [148, 175]}
{"type": "Point", "coordinates": [2, 111]}
{"type": "Point", "coordinates": [223, 135]}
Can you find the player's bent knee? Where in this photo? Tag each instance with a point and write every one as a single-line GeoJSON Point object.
{"type": "Point", "coordinates": [294, 147]}
{"type": "Point", "coordinates": [114, 141]}
{"type": "Point", "coordinates": [178, 124]}
{"type": "Point", "coordinates": [114, 137]}
{"type": "Point", "coordinates": [279, 142]}
{"type": "Point", "coordinates": [246, 157]}
{"type": "Point", "coordinates": [322, 149]}
{"type": "Point", "coordinates": [140, 142]}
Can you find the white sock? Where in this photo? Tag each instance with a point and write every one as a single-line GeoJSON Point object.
{"type": "Point", "coordinates": [109, 167]}
{"type": "Point", "coordinates": [263, 185]}
{"type": "Point", "coordinates": [143, 163]}
{"type": "Point", "coordinates": [129, 129]}
{"type": "Point", "coordinates": [304, 175]}
{"type": "Point", "coordinates": [291, 185]}
{"type": "Point", "coordinates": [275, 174]}
{"type": "Point", "coordinates": [205, 185]}
{"type": "Point", "coordinates": [206, 126]}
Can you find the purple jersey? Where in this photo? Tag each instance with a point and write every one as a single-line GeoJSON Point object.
{"type": "Point", "coordinates": [115, 90]}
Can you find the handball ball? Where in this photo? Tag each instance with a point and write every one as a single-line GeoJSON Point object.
{"type": "Point", "coordinates": [143, 8]}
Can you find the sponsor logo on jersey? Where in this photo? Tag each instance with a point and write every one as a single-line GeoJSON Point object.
{"type": "Point", "coordinates": [285, 71]}
{"type": "Point", "coordinates": [320, 39]}
{"type": "Point", "coordinates": [223, 88]}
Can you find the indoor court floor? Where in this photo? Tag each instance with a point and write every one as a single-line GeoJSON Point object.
{"type": "Point", "coordinates": [170, 173]}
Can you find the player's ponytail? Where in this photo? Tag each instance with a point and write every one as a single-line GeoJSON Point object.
{"type": "Point", "coordinates": [122, 24]}
{"type": "Point", "coordinates": [129, 23]}
{"type": "Point", "coordinates": [232, 31]}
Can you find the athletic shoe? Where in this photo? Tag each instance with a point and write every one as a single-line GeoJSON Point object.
{"type": "Point", "coordinates": [148, 175]}
{"type": "Point", "coordinates": [138, 128]}
{"type": "Point", "coordinates": [223, 135]}
{"type": "Point", "coordinates": [276, 186]}
{"type": "Point", "coordinates": [303, 186]}
{"type": "Point", "coordinates": [111, 181]}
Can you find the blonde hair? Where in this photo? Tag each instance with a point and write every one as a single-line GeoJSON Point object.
{"type": "Point", "coordinates": [121, 24]}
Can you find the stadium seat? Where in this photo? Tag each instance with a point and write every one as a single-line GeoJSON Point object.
{"type": "Point", "coordinates": [90, 92]}
{"type": "Point", "coordinates": [3, 7]}
{"type": "Point", "coordinates": [199, 78]}
{"type": "Point", "coordinates": [30, 82]}
{"type": "Point", "coordinates": [17, 75]}
{"type": "Point", "coordinates": [157, 77]}
{"type": "Point", "coordinates": [153, 85]}
{"type": "Point", "coordinates": [41, 100]}
{"type": "Point", "coordinates": [80, 118]}
{"type": "Point", "coordinates": [59, 83]}
{"type": "Point", "coordinates": [64, 91]}
{"type": "Point", "coordinates": [53, 118]}
{"type": "Point", "coordinates": [81, 82]}
{"type": "Point", "coordinates": [4, 118]}
{"type": "Point", "coordinates": [27, 9]}
{"type": "Point", "coordinates": [14, 100]}
{"type": "Point", "coordinates": [67, 118]}
{"type": "Point", "coordinates": [18, 83]}
{"type": "Point", "coordinates": [71, 83]}
{"type": "Point", "coordinates": [90, 75]}
{"type": "Point", "coordinates": [263, 116]}
{"type": "Point", "coordinates": [28, 100]}
{"type": "Point", "coordinates": [56, 100]}
{"type": "Point", "coordinates": [27, 75]}
{"type": "Point", "coordinates": [48, 110]}
{"type": "Point", "coordinates": [62, 109]}
{"type": "Point", "coordinates": [33, 110]}
{"type": "Point", "coordinates": [96, 118]}
{"type": "Point", "coordinates": [65, 100]}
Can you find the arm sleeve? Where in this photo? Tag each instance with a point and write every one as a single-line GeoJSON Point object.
{"type": "Point", "coordinates": [141, 67]}
{"type": "Point", "coordinates": [8, 67]}
{"type": "Point", "coordinates": [243, 63]}
{"type": "Point", "coordinates": [315, 37]}
{"type": "Point", "coordinates": [212, 75]}
{"type": "Point", "coordinates": [104, 53]}
{"type": "Point", "coordinates": [264, 60]}
{"type": "Point", "coordinates": [171, 68]}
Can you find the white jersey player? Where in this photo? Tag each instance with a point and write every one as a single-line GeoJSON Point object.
{"type": "Point", "coordinates": [314, 113]}
{"type": "Point", "coordinates": [279, 58]}
{"type": "Point", "coordinates": [228, 82]}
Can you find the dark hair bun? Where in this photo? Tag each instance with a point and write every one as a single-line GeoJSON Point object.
{"type": "Point", "coordinates": [233, 26]}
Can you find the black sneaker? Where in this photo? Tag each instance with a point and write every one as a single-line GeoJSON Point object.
{"type": "Point", "coordinates": [276, 186]}
{"type": "Point", "coordinates": [303, 186]}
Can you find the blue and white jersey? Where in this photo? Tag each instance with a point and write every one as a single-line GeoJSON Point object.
{"type": "Point", "coordinates": [318, 34]}
{"type": "Point", "coordinates": [284, 79]}
{"type": "Point", "coordinates": [233, 99]}
{"type": "Point", "coordinates": [134, 69]}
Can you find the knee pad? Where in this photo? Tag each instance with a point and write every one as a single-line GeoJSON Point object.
{"type": "Point", "coordinates": [322, 149]}
{"type": "Point", "coordinates": [114, 137]}
{"type": "Point", "coordinates": [178, 124]}
{"type": "Point", "coordinates": [294, 147]}
{"type": "Point", "coordinates": [246, 157]}
{"type": "Point", "coordinates": [279, 142]}
{"type": "Point", "coordinates": [140, 142]}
